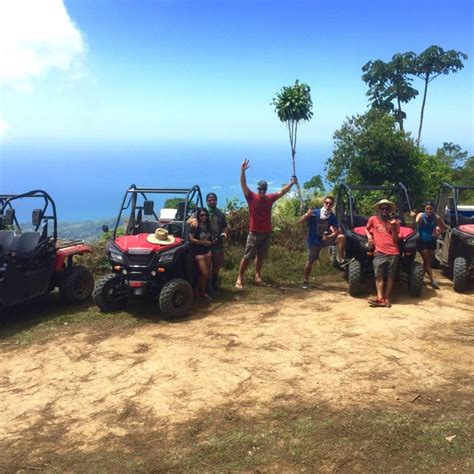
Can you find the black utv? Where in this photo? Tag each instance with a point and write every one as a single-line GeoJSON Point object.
{"type": "Point", "coordinates": [455, 246]}
{"type": "Point", "coordinates": [142, 268]}
{"type": "Point", "coordinates": [33, 262]}
{"type": "Point", "coordinates": [352, 224]}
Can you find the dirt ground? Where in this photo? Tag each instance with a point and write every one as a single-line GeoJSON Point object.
{"type": "Point", "coordinates": [321, 345]}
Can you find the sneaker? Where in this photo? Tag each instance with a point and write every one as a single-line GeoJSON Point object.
{"type": "Point", "coordinates": [305, 285]}
{"type": "Point", "coordinates": [345, 263]}
{"type": "Point", "coordinates": [377, 302]}
{"type": "Point", "coordinates": [435, 285]}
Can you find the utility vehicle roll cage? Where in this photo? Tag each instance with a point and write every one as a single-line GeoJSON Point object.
{"type": "Point", "coordinates": [347, 190]}
{"type": "Point", "coordinates": [39, 216]}
{"type": "Point", "coordinates": [451, 192]}
{"type": "Point", "coordinates": [130, 202]}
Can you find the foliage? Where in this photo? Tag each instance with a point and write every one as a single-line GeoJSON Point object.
{"type": "Point", "coordinates": [369, 149]}
{"type": "Point", "coordinates": [389, 82]}
{"type": "Point", "coordinates": [293, 104]}
{"type": "Point", "coordinates": [430, 64]}
{"type": "Point", "coordinates": [172, 203]}
{"type": "Point", "coordinates": [315, 184]}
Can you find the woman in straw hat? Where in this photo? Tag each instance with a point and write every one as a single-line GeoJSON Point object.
{"type": "Point", "coordinates": [201, 244]}
{"type": "Point", "coordinates": [382, 234]}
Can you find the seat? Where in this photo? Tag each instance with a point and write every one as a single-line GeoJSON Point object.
{"type": "Point", "coordinates": [145, 227]}
{"type": "Point", "coordinates": [6, 239]}
{"type": "Point", "coordinates": [25, 245]}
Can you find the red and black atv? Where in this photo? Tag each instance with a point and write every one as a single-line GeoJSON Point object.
{"type": "Point", "coordinates": [455, 246]}
{"type": "Point", "coordinates": [163, 272]}
{"type": "Point", "coordinates": [352, 225]}
{"type": "Point", "coordinates": [33, 263]}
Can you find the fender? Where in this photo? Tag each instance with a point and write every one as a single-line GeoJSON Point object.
{"type": "Point", "coordinates": [64, 253]}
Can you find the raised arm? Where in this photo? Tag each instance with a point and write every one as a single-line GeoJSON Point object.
{"type": "Point", "coordinates": [243, 180]}
{"type": "Point", "coordinates": [305, 216]}
{"type": "Point", "coordinates": [286, 188]}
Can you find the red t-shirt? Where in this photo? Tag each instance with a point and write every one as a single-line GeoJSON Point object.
{"type": "Point", "coordinates": [382, 232]}
{"type": "Point", "coordinates": [260, 210]}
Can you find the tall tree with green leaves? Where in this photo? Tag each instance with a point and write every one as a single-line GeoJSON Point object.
{"type": "Point", "coordinates": [389, 82]}
{"type": "Point", "coordinates": [292, 105]}
{"type": "Point", "coordinates": [430, 64]}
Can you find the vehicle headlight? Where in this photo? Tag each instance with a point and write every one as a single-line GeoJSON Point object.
{"type": "Point", "coordinates": [116, 256]}
{"type": "Point", "coordinates": [166, 258]}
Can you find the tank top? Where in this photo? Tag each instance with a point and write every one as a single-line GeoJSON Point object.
{"type": "Point", "coordinates": [426, 227]}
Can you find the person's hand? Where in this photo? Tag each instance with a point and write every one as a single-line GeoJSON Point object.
{"type": "Point", "coordinates": [413, 214]}
{"type": "Point", "coordinates": [293, 180]}
{"type": "Point", "coordinates": [370, 242]}
{"type": "Point", "coordinates": [309, 212]}
{"type": "Point", "coordinates": [395, 221]}
{"type": "Point", "coordinates": [245, 165]}
{"type": "Point", "coordinates": [207, 243]}
{"type": "Point", "coordinates": [192, 221]}
{"type": "Point", "coordinates": [325, 237]}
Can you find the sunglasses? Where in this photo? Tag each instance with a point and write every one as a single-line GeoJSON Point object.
{"type": "Point", "coordinates": [384, 208]}
{"type": "Point", "coordinates": [329, 203]}
{"type": "Point", "coordinates": [202, 215]}
{"type": "Point", "coordinates": [261, 189]}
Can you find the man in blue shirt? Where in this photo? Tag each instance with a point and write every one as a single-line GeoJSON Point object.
{"type": "Point", "coordinates": [323, 231]}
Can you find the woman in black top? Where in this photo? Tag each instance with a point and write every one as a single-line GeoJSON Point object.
{"type": "Point", "coordinates": [201, 244]}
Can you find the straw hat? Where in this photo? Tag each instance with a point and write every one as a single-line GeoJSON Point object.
{"type": "Point", "coordinates": [161, 237]}
{"type": "Point", "coordinates": [385, 202]}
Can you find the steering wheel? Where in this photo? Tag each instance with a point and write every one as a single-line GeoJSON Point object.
{"type": "Point", "coordinates": [173, 229]}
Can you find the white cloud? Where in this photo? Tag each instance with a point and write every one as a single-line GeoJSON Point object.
{"type": "Point", "coordinates": [4, 128]}
{"type": "Point", "coordinates": [37, 36]}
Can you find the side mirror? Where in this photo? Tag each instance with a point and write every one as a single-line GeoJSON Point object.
{"type": "Point", "coordinates": [105, 228]}
{"type": "Point", "coordinates": [9, 216]}
{"type": "Point", "coordinates": [36, 217]}
{"type": "Point", "coordinates": [148, 208]}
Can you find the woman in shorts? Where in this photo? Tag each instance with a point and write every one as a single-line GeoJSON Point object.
{"type": "Point", "coordinates": [429, 225]}
{"type": "Point", "coordinates": [201, 243]}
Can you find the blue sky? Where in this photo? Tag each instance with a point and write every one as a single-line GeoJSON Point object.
{"type": "Point", "coordinates": [201, 71]}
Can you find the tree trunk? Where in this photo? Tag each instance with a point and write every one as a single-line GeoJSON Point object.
{"type": "Point", "coordinates": [422, 111]}
{"type": "Point", "coordinates": [399, 113]}
{"type": "Point", "coordinates": [298, 187]}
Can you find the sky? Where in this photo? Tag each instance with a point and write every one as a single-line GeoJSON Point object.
{"type": "Point", "coordinates": [107, 72]}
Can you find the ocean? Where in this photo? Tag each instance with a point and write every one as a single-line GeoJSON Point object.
{"type": "Point", "coordinates": [88, 181]}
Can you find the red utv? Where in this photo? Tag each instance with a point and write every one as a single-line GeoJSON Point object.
{"type": "Point", "coordinates": [34, 262]}
{"type": "Point", "coordinates": [162, 272]}
{"type": "Point", "coordinates": [360, 256]}
{"type": "Point", "coordinates": [455, 246]}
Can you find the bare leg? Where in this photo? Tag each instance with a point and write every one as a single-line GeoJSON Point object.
{"type": "Point", "coordinates": [427, 255]}
{"type": "Point", "coordinates": [340, 247]}
{"type": "Point", "coordinates": [258, 269]}
{"type": "Point", "coordinates": [307, 270]}
{"type": "Point", "coordinates": [203, 275]}
{"type": "Point", "coordinates": [379, 286]}
{"type": "Point", "coordinates": [244, 264]}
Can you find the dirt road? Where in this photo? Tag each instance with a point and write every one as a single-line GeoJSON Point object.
{"type": "Point", "coordinates": [321, 345]}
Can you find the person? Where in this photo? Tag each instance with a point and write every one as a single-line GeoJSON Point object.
{"type": "Point", "coordinates": [428, 225]}
{"type": "Point", "coordinates": [382, 234]}
{"type": "Point", "coordinates": [323, 231]}
{"type": "Point", "coordinates": [218, 225]}
{"type": "Point", "coordinates": [201, 243]}
{"type": "Point", "coordinates": [260, 223]}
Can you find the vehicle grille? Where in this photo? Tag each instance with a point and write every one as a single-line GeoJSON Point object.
{"type": "Point", "coordinates": [140, 260]}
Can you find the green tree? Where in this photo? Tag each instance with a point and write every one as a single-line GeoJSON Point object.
{"type": "Point", "coordinates": [370, 149]}
{"type": "Point", "coordinates": [315, 184]}
{"type": "Point", "coordinates": [390, 82]}
{"type": "Point", "coordinates": [292, 105]}
{"type": "Point", "coordinates": [430, 64]}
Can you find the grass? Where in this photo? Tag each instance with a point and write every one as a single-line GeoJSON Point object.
{"type": "Point", "coordinates": [283, 438]}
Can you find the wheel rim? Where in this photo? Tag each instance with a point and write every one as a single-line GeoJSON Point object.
{"type": "Point", "coordinates": [179, 299]}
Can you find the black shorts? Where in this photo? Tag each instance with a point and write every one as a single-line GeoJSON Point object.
{"type": "Point", "coordinates": [426, 244]}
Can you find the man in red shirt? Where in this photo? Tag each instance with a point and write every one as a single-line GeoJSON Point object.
{"type": "Point", "coordinates": [260, 223]}
{"type": "Point", "coordinates": [382, 234]}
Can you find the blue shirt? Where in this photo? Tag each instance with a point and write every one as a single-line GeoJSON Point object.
{"type": "Point", "coordinates": [426, 227]}
{"type": "Point", "coordinates": [316, 227]}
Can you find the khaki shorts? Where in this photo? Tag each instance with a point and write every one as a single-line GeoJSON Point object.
{"type": "Point", "coordinates": [385, 264]}
{"type": "Point", "coordinates": [315, 250]}
{"type": "Point", "coordinates": [257, 245]}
